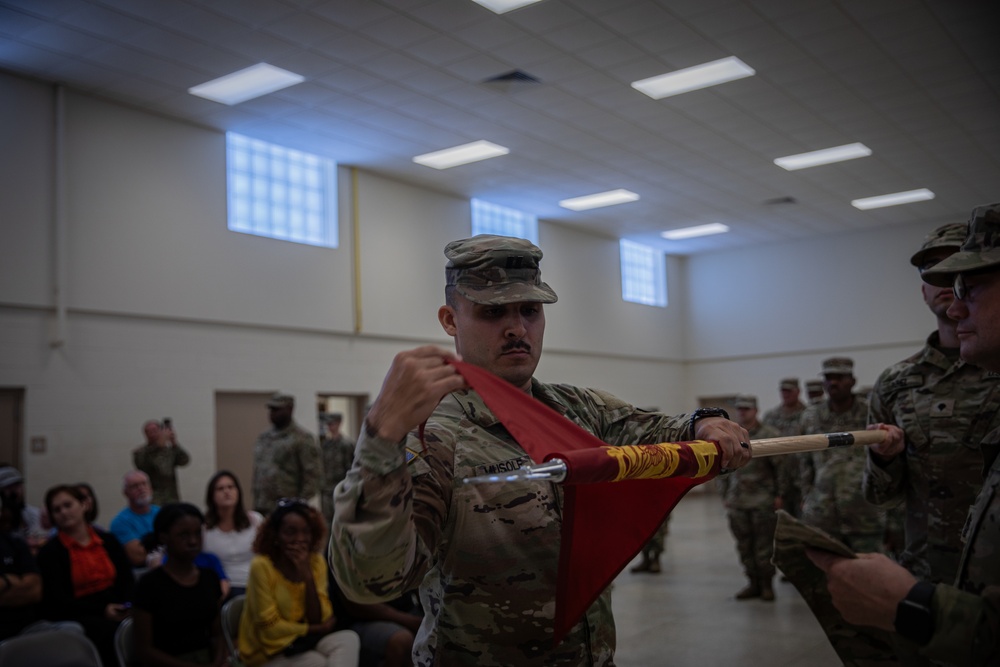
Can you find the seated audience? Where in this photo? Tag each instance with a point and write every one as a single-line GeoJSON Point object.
{"type": "Point", "coordinates": [176, 607]}
{"type": "Point", "coordinates": [86, 575]}
{"type": "Point", "coordinates": [89, 503]}
{"type": "Point", "coordinates": [135, 521]}
{"type": "Point", "coordinates": [20, 585]}
{"type": "Point", "coordinates": [287, 617]}
{"type": "Point", "coordinates": [230, 528]}
{"type": "Point", "coordinates": [386, 629]}
{"type": "Point", "coordinates": [26, 521]}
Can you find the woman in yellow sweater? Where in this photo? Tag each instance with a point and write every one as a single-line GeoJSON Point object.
{"type": "Point", "coordinates": [287, 618]}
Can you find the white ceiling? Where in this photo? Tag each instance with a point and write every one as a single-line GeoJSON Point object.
{"type": "Point", "coordinates": [918, 81]}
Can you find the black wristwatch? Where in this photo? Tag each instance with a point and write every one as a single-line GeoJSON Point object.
{"type": "Point", "coordinates": [701, 413]}
{"type": "Point", "coordinates": [915, 615]}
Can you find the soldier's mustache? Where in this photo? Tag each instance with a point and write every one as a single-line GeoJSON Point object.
{"type": "Point", "coordinates": [516, 345]}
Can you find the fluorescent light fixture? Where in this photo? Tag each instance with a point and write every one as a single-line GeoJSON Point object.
{"type": "Point", "coordinates": [609, 198]}
{"type": "Point", "coordinates": [825, 156]}
{"type": "Point", "coordinates": [693, 78]}
{"type": "Point", "coordinates": [692, 232]}
{"type": "Point", "coordinates": [923, 194]}
{"type": "Point", "coordinates": [464, 154]}
{"type": "Point", "coordinates": [246, 84]}
{"type": "Point", "coordinates": [501, 6]}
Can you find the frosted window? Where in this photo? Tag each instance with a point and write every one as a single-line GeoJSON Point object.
{"type": "Point", "coordinates": [490, 218]}
{"type": "Point", "coordinates": [644, 274]}
{"type": "Point", "coordinates": [280, 192]}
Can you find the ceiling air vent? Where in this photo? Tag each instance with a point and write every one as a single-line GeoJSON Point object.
{"type": "Point", "coordinates": [511, 81]}
{"type": "Point", "coordinates": [780, 200]}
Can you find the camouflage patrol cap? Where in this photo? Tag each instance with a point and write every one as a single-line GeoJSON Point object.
{"type": "Point", "coordinates": [951, 236]}
{"type": "Point", "coordinates": [981, 249]}
{"type": "Point", "coordinates": [746, 401]}
{"type": "Point", "coordinates": [496, 270]}
{"type": "Point", "coordinates": [280, 400]}
{"type": "Point", "coordinates": [813, 386]}
{"type": "Point", "coordinates": [838, 366]}
{"type": "Point", "coordinates": [789, 383]}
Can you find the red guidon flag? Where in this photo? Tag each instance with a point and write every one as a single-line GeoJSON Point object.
{"type": "Point", "coordinates": [604, 525]}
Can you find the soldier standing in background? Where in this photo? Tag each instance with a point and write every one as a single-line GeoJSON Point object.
{"type": "Point", "coordinates": [338, 455]}
{"type": "Point", "coordinates": [751, 495]}
{"type": "Point", "coordinates": [814, 391]}
{"type": "Point", "coordinates": [159, 458]}
{"type": "Point", "coordinates": [286, 460]}
{"type": "Point", "coordinates": [831, 479]}
{"type": "Point", "coordinates": [945, 406]}
{"type": "Point", "coordinates": [786, 420]}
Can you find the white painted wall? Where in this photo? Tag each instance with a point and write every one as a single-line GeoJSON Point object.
{"type": "Point", "coordinates": [167, 306]}
{"type": "Point", "coordinates": [762, 313]}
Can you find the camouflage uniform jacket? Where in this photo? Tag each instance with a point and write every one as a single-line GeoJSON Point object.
{"type": "Point", "coordinates": [945, 408]}
{"type": "Point", "coordinates": [484, 556]}
{"type": "Point", "coordinates": [755, 485]}
{"type": "Point", "coordinates": [286, 464]}
{"type": "Point", "coordinates": [160, 463]}
{"type": "Point", "coordinates": [783, 421]}
{"type": "Point", "coordinates": [338, 454]}
{"type": "Point", "coordinates": [787, 423]}
{"type": "Point", "coordinates": [967, 615]}
{"type": "Point", "coordinates": [831, 479]}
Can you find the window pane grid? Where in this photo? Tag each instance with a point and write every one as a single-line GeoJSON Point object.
{"type": "Point", "coordinates": [280, 192]}
{"type": "Point", "coordinates": [490, 218]}
{"type": "Point", "coordinates": [644, 278]}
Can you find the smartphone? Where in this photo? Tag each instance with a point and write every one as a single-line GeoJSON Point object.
{"type": "Point", "coordinates": [167, 422]}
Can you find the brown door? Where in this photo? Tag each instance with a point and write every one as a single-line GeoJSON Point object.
{"type": "Point", "coordinates": [239, 418]}
{"type": "Point", "coordinates": [11, 433]}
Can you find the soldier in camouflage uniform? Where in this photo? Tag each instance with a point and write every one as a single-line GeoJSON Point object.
{"type": "Point", "coordinates": [957, 624]}
{"type": "Point", "coordinates": [831, 479]}
{"type": "Point", "coordinates": [815, 391]}
{"type": "Point", "coordinates": [751, 495]}
{"type": "Point", "coordinates": [786, 419]}
{"type": "Point", "coordinates": [338, 454]}
{"type": "Point", "coordinates": [286, 460]}
{"type": "Point", "coordinates": [484, 556]}
{"type": "Point", "coordinates": [159, 458]}
{"type": "Point", "coordinates": [945, 406]}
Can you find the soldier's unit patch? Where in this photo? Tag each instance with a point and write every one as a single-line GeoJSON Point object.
{"type": "Point", "coordinates": [411, 454]}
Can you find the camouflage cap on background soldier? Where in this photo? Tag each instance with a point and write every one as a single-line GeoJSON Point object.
{"type": "Point", "coordinates": [981, 249]}
{"type": "Point", "coordinates": [279, 400]}
{"type": "Point", "coordinates": [951, 235]}
{"type": "Point", "coordinates": [496, 270]}
{"type": "Point", "coordinates": [789, 383]}
{"type": "Point", "coordinates": [813, 386]}
{"type": "Point", "coordinates": [838, 366]}
{"type": "Point", "coordinates": [746, 401]}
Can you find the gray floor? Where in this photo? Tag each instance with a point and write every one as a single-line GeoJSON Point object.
{"type": "Point", "coordinates": [687, 615]}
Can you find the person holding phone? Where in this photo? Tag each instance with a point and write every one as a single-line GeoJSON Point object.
{"type": "Point", "coordinates": [159, 458]}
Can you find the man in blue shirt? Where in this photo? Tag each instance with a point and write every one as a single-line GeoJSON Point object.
{"type": "Point", "coordinates": [135, 521]}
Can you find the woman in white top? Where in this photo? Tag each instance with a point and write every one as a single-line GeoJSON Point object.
{"type": "Point", "coordinates": [229, 528]}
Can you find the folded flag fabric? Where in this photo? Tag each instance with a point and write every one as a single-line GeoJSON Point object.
{"type": "Point", "coordinates": [604, 524]}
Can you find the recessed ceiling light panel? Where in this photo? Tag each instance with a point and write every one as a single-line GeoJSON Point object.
{"type": "Point", "coordinates": [464, 154]}
{"type": "Point", "coordinates": [609, 198]}
{"type": "Point", "coordinates": [693, 78]}
{"type": "Point", "coordinates": [501, 6]}
{"type": "Point", "coordinates": [693, 232]}
{"type": "Point", "coordinates": [910, 196]}
{"type": "Point", "coordinates": [824, 156]}
{"type": "Point", "coordinates": [246, 84]}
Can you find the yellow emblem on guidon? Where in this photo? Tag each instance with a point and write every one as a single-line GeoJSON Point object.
{"type": "Point", "coordinates": [661, 461]}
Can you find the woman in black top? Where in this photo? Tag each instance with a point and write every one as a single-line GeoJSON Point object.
{"type": "Point", "coordinates": [176, 606]}
{"type": "Point", "coordinates": [86, 576]}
